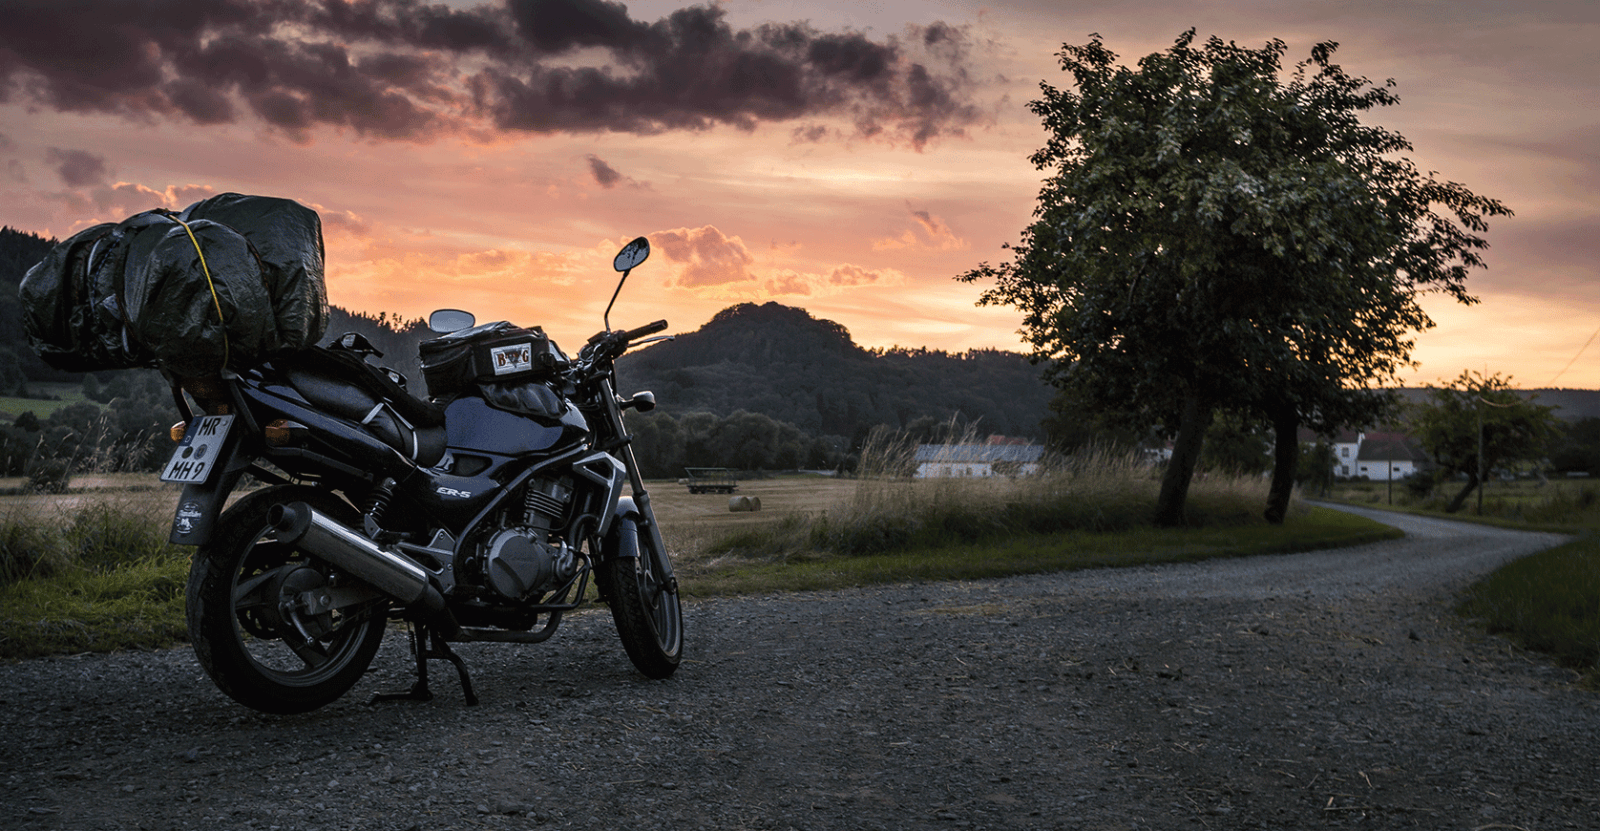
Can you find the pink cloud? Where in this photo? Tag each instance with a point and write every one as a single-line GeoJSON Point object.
{"type": "Point", "coordinates": [710, 257]}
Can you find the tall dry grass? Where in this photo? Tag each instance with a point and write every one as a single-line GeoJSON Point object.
{"type": "Point", "coordinates": [1098, 489]}
{"type": "Point", "coordinates": [89, 572]}
{"type": "Point", "coordinates": [44, 536]}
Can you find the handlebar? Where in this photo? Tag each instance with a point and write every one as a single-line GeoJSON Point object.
{"type": "Point", "coordinates": [610, 344]}
{"type": "Point", "coordinates": [642, 331]}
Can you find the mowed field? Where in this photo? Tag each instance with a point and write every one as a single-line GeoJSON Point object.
{"type": "Point", "coordinates": [690, 522]}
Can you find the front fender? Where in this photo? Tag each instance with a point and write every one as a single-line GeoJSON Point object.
{"type": "Point", "coordinates": [622, 539]}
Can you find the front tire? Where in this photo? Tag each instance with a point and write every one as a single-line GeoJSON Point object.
{"type": "Point", "coordinates": [644, 602]}
{"type": "Point", "coordinates": [259, 653]}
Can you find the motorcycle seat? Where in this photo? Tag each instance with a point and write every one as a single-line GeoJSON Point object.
{"type": "Point", "coordinates": [343, 385]}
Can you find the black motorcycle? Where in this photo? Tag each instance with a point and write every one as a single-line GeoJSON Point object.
{"type": "Point", "coordinates": [478, 514]}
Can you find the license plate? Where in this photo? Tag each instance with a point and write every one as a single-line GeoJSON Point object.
{"type": "Point", "coordinates": [198, 451]}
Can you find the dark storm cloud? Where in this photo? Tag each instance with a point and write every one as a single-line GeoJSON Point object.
{"type": "Point", "coordinates": [405, 69]}
{"type": "Point", "coordinates": [79, 168]}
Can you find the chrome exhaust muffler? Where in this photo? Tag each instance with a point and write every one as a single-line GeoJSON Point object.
{"type": "Point", "coordinates": [298, 524]}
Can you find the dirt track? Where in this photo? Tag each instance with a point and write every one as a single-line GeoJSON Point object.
{"type": "Point", "coordinates": [1324, 690]}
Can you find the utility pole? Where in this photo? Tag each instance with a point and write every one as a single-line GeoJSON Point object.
{"type": "Point", "coordinates": [1479, 408]}
{"type": "Point", "coordinates": [1482, 401]}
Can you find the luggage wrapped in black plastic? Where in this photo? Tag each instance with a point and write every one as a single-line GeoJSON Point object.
{"type": "Point", "coordinates": [288, 238]}
{"type": "Point", "coordinates": [182, 292]}
{"type": "Point", "coordinates": [491, 352]}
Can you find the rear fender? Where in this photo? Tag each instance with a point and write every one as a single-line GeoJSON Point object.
{"type": "Point", "coordinates": [201, 502]}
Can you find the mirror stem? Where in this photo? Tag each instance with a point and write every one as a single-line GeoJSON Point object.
{"type": "Point", "coordinates": [606, 318]}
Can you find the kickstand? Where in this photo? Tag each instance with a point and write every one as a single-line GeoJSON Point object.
{"type": "Point", "coordinates": [427, 643]}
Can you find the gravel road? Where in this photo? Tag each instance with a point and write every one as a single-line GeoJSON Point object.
{"type": "Point", "coordinates": [1333, 689]}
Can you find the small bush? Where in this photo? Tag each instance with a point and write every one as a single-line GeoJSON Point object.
{"type": "Point", "coordinates": [49, 475]}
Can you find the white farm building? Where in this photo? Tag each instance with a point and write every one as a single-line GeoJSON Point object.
{"type": "Point", "coordinates": [994, 459]}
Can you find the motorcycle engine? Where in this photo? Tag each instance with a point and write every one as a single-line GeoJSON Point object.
{"type": "Point", "coordinates": [521, 562]}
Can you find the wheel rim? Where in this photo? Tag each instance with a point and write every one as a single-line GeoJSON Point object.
{"type": "Point", "coordinates": [661, 604]}
{"type": "Point", "coordinates": [290, 649]}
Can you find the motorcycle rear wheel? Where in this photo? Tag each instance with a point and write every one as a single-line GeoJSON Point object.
{"type": "Point", "coordinates": [645, 608]}
{"type": "Point", "coordinates": [239, 634]}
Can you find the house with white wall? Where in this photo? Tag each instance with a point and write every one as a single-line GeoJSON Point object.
{"type": "Point", "coordinates": [1378, 455]}
{"type": "Point", "coordinates": [1387, 456]}
{"type": "Point", "coordinates": [999, 457]}
{"type": "Point", "coordinates": [1346, 447]}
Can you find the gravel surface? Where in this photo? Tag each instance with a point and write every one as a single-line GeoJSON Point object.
{"type": "Point", "coordinates": [1331, 689]}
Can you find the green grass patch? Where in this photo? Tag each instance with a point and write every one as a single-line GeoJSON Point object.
{"type": "Point", "coordinates": [62, 393]}
{"type": "Point", "coordinates": [1547, 602]}
{"type": "Point", "coordinates": [89, 574]}
{"type": "Point", "coordinates": [1555, 505]}
{"type": "Point", "coordinates": [137, 605]}
{"type": "Point", "coordinates": [1314, 529]}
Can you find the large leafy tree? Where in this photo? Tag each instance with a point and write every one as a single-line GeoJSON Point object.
{"type": "Point", "coordinates": [1477, 424]}
{"type": "Point", "coordinates": [1216, 236]}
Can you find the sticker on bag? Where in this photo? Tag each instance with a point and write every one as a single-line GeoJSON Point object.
{"type": "Point", "coordinates": [514, 358]}
{"type": "Point", "coordinates": [197, 453]}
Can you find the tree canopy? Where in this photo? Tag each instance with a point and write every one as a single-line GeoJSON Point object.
{"type": "Point", "coordinates": [1217, 236]}
{"type": "Point", "coordinates": [1477, 424]}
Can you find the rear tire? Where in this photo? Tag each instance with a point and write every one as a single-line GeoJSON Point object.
{"type": "Point", "coordinates": [237, 583]}
{"type": "Point", "coordinates": [644, 604]}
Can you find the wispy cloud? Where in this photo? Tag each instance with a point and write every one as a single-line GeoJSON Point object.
{"type": "Point", "coordinates": [935, 235]}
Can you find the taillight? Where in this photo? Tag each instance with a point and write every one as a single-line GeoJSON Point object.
{"type": "Point", "coordinates": [283, 431]}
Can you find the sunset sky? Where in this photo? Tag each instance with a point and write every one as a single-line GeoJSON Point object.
{"type": "Point", "coordinates": [848, 158]}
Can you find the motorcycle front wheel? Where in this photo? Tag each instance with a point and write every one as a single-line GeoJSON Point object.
{"type": "Point", "coordinates": [644, 605]}
{"type": "Point", "coordinates": [248, 633]}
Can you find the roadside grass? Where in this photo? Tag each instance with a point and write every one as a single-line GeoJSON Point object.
{"type": "Point", "coordinates": [1310, 530]}
{"type": "Point", "coordinates": [887, 512]}
{"type": "Point", "coordinates": [1547, 602]}
{"type": "Point", "coordinates": [1556, 505]}
{"type": "Point", "coordinates": [90, 574]}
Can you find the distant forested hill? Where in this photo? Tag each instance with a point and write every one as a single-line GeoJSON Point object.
{"type": "Point", "coordinates": [782, 362]}
{"type": "Point", "coordinates": [18, 253]}
{"type": "Point", "coordinates": [1570, 405]}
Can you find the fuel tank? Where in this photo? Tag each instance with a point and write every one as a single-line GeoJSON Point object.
{"type": "Point", "coordinates": [514, 420]}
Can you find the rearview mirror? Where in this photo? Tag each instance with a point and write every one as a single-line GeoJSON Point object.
{"type": "Point", "coordinates": [632, 255]}
{"type": "Point", "coordinates": [445, 321]}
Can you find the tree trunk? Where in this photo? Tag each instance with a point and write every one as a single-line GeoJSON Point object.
{"type": "Point", "coordinates": [1192, 426]}
{"type": "Point", "coordinates": [1285, 459]}
{"type": "Point", "coordinates": [1461, 498]}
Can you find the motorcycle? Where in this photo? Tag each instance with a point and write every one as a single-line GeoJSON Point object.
{"type": "Point", "coordinates": [479, 514]}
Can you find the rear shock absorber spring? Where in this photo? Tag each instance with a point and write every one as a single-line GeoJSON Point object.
{"type": "Point", "coordinates": [377, 504]}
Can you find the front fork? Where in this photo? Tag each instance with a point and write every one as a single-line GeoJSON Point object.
{"type": "Point", "coordinates": [641, 497]}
